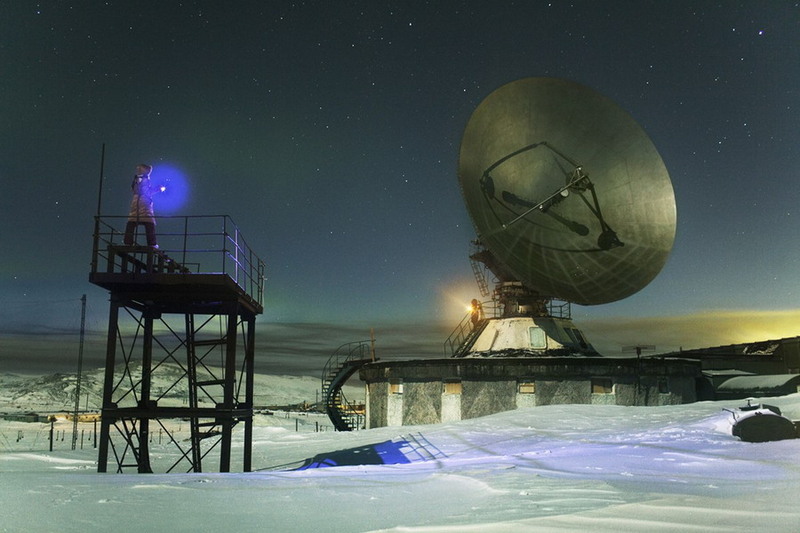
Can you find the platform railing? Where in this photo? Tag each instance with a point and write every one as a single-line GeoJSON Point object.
{"type": "Point", "coordinates": [205, 244]}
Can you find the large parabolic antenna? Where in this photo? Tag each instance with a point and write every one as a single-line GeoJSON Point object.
{"type": "Point", "coordinates": [566, 191]}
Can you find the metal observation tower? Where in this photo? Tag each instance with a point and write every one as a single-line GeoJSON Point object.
{"type": "Point", "coordinates": [180, 345]}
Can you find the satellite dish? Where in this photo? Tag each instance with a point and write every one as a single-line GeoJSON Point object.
{"type": "Point", "coordinates": [566, 191]}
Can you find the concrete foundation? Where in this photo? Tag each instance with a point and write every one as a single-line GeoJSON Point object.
{"type": "Point", "coordinates": [444, 390]}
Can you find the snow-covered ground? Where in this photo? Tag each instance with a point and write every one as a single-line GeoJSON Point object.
{"type": "Point", "coordinates": [551, 468]}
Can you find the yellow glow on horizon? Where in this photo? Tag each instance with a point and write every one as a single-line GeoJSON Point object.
{"type": "Point", "coordinates": [696, 330]}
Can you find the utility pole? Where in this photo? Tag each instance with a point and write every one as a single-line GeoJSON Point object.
{"type": "Point", "coordinates": [638, 349]}
{"type": "Point", "coordinates": [78, 380]}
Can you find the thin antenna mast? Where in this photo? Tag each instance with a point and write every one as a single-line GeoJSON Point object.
{"type": "Point", "coordinates": [78, 380]}
{"type": "Point", "coordinates": [102, 165]}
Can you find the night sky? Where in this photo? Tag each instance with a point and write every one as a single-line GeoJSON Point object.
{"type": "Point", "coordinates": [330, 132]}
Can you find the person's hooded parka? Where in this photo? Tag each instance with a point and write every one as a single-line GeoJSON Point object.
{"type": "Point", "coordinates": [142, 201]}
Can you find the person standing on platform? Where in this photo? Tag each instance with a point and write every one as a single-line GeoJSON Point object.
{"type": "Point", "coordinates": [141, 211]}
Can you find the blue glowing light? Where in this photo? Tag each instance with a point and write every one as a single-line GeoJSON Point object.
{"type": "Point", "coordinates": [174, 188]}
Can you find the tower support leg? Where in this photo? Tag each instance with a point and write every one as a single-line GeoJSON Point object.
{"type": "Point", "coordinates": [108, 387]}
{"type": "Point", "coordinates": [249, 355]}
{"type": "Point", "coordinates": [146, 404]}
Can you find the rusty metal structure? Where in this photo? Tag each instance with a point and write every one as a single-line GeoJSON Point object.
{"type": "Point", "coordinates": [181, 324]}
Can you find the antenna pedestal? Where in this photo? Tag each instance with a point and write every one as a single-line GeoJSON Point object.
{"type": "Point", "coordinates": [517, 300]}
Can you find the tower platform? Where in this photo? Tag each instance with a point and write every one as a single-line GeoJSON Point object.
{"type": "Point", "coordinates": [201, 260]}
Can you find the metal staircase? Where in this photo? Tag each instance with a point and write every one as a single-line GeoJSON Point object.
{"type": "Point", "coordinates": [479, 268]}
{"type": "Point", "coordinates": [345, 361]}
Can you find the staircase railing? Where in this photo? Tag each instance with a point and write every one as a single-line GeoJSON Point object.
{"type": "Point", "coordinates": [458, 335]}
{"type": "Point", "coordinates": [467, 329]}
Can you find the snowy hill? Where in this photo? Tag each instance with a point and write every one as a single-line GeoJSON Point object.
{"type": "Point", "coordinates": [56, 392]}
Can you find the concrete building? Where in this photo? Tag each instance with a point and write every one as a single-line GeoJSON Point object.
{"type": "Point", "coordinates": [777, 356]}
{"type": "Point", "coordinates": [443, 390]}
{"type": "Point", "coordinates": [751, 369]}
